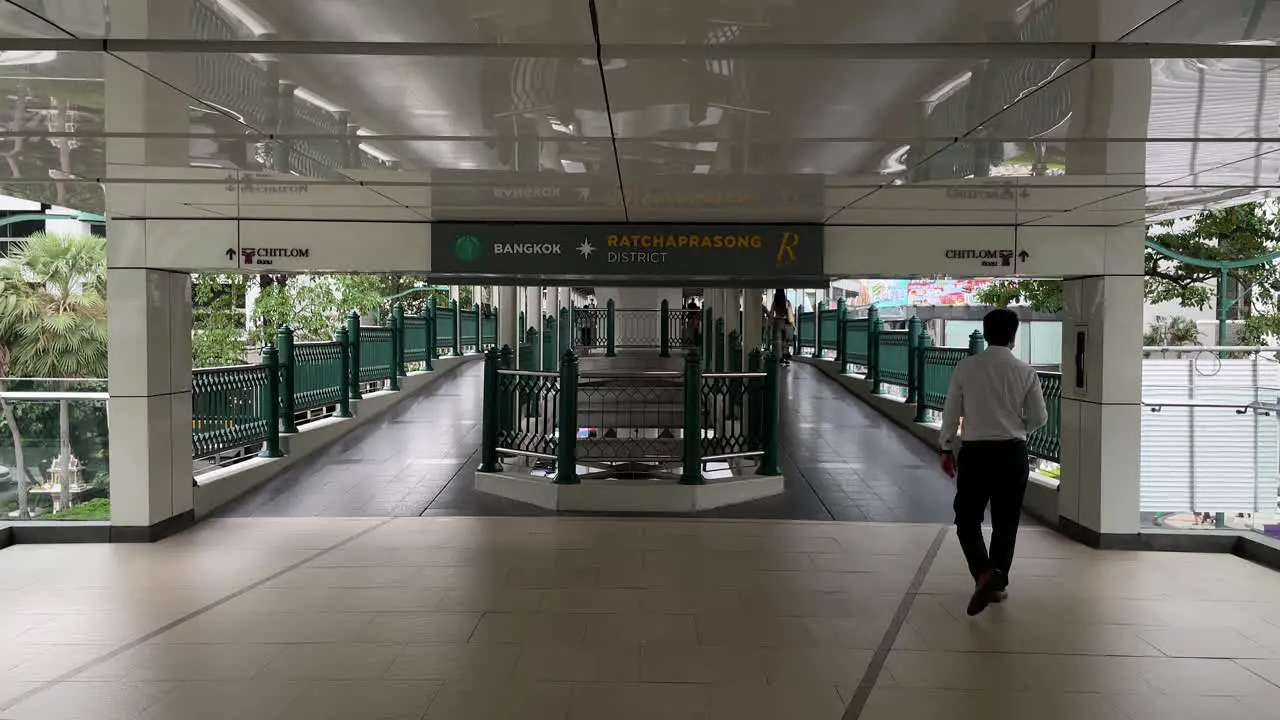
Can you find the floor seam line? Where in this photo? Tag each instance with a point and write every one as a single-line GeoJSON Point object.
{"type": "Point", "coordinates": [874, 668]}
{"type": "Point", "coordinates": [132, 644]}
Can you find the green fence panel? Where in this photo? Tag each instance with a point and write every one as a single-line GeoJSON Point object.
{"type": "Point", "coordinates": [894, 357]}
{"type": "Point", "coordinates": [376, 361]}
{"type": "Point", "coordinates": [415, 339]}
{"type": "Point", "coordinates": [827, 334]}
{"type": "Point", "coordinates": [228, 408]}
{"type": "Point", "coordinates": [727, 412]}
{"type": "Point", "coordinates": [856, 335]}
{"type": "Point", "coordinates": [317, 375]}
{"type": "Point", "coordinates": [528, 416]}
{"type": "Point", "coordinates": [549, 360]}
{"type": "Point", "coordinates": [445, 328]}
{"type": "Point", "coordinates": [467, 338]}
{"type": "Point", "coordinates": [1046, 442]}
{"type": "Point", "coordinates": [489, 330]}
{"type": "Point", "coordinates": [939, 364]}
{"type": "Point", "coordinates": [805, 328]}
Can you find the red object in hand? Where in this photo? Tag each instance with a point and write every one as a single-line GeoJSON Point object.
{"type": "Point", "coordinates": [949, 464]}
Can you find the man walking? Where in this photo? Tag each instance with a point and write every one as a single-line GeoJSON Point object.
{"type": "Point", "coordinates": [998, 397]}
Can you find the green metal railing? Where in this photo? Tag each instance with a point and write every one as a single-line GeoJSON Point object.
{"type": "Point", "coordinates": [664, 419]}
{"type": "Point", "coordinates": [489, 330]}
{"type": "Point", "coordinates": [806, 332]}
{"type": "Point", "coordinates": [909, 360]}
{"type": "Point", "coordinates": [235, 408]}
{"type": "Point", "coordinates": [468, 330]}
{"type": "Point", "coordinates": [446, 327]}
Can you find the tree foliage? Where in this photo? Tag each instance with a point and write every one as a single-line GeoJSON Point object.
{"type": "Point", "coordinates": [1170, 332]}
{"type": "Point", "coordinates": [1239, 233]}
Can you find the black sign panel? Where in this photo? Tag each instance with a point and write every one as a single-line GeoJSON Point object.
{"type": "Point", "coordinates": [660, 252]}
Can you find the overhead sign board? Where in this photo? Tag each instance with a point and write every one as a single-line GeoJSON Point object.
{"type": "Point", "coordinates": [661, 252]}
{"type": "Point", "coordinates": [462, 190]}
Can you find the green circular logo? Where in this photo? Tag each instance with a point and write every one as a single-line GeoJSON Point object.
{"type": "Point", "coordinates": [467, 248]}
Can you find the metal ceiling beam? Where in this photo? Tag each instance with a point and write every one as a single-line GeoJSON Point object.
{"type": "Point", "coordinates": [758, 51]}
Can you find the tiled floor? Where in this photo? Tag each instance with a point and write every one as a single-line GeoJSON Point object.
{"type": "Point", "coordinates": [842, 461]}
{"type": "Point", "coordinates": [582, 619]}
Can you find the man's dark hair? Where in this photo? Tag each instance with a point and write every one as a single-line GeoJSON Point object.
{"type": "Point", "coordinates": [1000, 326]}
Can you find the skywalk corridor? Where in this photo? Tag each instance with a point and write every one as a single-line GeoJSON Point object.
{"type": "Point", "coordinates": [842, 461]}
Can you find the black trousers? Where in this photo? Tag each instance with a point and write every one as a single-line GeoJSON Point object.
{"type": "Point", "coordinates": [990, 472]}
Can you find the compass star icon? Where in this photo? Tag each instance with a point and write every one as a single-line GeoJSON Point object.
{"type": "Point", "coordinates": [586, 248]}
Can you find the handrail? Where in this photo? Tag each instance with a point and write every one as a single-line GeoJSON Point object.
{"type": "Point", "coordinates": [36, 396]}
{"type": "Point", "coordinates": [1210, 348]}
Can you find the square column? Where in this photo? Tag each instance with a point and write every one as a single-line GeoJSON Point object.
{"type": "Point", "coordinates": [752, 320]}
{"type": "Point", "coordinates": [509, 331]}
{"type": "Point", "coordinates": [149, 374]}
{"type": "Point", "coordinates": [1101, 437]}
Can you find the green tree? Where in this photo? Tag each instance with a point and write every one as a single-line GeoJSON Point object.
{"type": "Point", "coordinates": [1170, 332]}
{"type": "Point", "coordinates": [57, 324]}
{"type": "Point", "coordinates": [218, 320]}
{"type": "Point", "coordinates": [1239, 233]}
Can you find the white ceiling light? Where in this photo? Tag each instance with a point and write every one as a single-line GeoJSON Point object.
{"type": "Point", "coordinates": [701, 169]}
{"type": "Point", "coordinates": [247, 17]}
{"type": "Point", "coordinates": [383, 156]}
{"type": "Point", "coordinates": [573, 166]}
{"type": "Point", "coordinates": [20, 57]}
{"type": "Point", "coordinates": [316, 100]}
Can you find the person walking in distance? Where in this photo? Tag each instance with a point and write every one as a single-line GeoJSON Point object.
{"type": "Point", "coordinates": [998, 398]}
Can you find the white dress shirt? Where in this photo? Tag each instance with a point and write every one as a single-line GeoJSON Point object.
{"type": "Point", "coordinates": [997, 395]}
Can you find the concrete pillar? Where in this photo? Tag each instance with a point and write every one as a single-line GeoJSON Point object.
{"type": "Point", "coordinates": [508, 317]}
{"type": "Point", "coordinates": [1102, 395]}
{"type": "Point", "coordinates": [148, 311]}
{"type": "Point", "coordinates": [752, 319]}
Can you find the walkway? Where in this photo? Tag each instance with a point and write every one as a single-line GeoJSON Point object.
{"type": "Point", "coordinates": [842, 461]}
{"type": "Point", "coordinates": [625, 619]}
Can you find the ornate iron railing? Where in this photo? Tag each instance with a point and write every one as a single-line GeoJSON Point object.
{"type": "Point", "coordinates": [527, 413]}
{"type": "Point", "coordinates": [229, 408]}
{"type": "Point", "coordinates": [377, 357]}
{"type": "Point", "coordinates": [318, 375]}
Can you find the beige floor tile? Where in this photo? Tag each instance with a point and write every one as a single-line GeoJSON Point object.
{"type": "Point", "coordinates": [703, 665]}
{"type": "Point", "coordinates": [800, 667]}
{"type": "Point", "coordinates": [1205, 642]}
{"type": "Point", "coordinates": [456, 663]}
{"type": "Point", "coordinates": [800, 702]}
{"type": "Point", "coordinates": [541, 578]}
{"type": "Point", "coordinates": [693, 602]}
{"type": "Point", "coordinates": [11, 689]}
{"type": "Point", "coordinates": [46, 661]}
{"type": "Point", "coordinates": [419, 628]}
{"type": "Point", "coordinates": [176, 662]}
{"type": "Point", "coordinates": [642, 701]}
{"type": "Point", "coordinates": [483, 599]}
{"type": "Point", "coordinates": [631, 629]}
{"type": "Point", "coordinates": [89, 701]}
{"type": "Point", "coordinates": [333, 661]}
{"type": "Point", "coordinates": [222, 626]}
{"type": "Point", "coordinates": [1158, 706]}
{"type": "Point", "coordinates": [506, 701]}
{"type": "Point", "coordinates": [578, 663]}
{"type": "Point", "coordinates": [1269, 670]}
{"type": "Point", "coordinates": [755, 632]}
{"type": "Point", "coordinates": [531, 628]}
{"type": "Point", "coordinates": [318, 600]}
{"type": "Point", "coordinates": [210, 700]}
{"type": "Point", "coordinates": [591, 600]}
{"type": "Point", "coordinates": [348, 577]}
{"type": "Point", "coordinates": [366, 700]}
{"type": "Point", "coordinates": [887, 703]}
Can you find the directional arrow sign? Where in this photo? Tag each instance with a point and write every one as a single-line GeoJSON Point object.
{"type": "Point", "coordinates": [1022, 256]}
{"type": "Point", "coordinates": [231, 253]}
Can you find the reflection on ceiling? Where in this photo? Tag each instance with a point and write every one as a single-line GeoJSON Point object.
{"type": "Point", "coordinates": [654, 110]}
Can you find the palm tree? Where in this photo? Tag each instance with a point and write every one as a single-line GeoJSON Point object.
{"type": "Point", "coordinates": [13, 316]}
{"type": "Point", "coordinates": [55, 321]}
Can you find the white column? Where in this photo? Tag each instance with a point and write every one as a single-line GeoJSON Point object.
{"type": "Point", "coordinates": [508, 318]}
{"type": "Point", "coordinates": [1101, 437]}
{"type": "Point", "coordinates": [752, 320]}
{"type": "Point", "coordinates": [148, 311]}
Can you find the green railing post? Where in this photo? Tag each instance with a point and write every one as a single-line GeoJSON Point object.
{"type": "Point", "coordinates": [284, 346]}
{"type": "Point", "coordinates": [736, 385]}
{"type": "Point", "coordinates": [817, 330]}
{"type": "Point", "coordinates": [397, 340]}
{"type": "Point", "coordinates": [488, 415]}
{"type": "Point", "coordinates": [506, 391]}
{"type": "Point", "coordinates": [565, 336]}
{"type": "Point", "coordinates": [923, 343]}
{"type": "Point", "coordinates": [397, 328]}
{"type": "Point", "coordinates": [610, 328]}
{"type": "Point", "coordinates": [914, 368]}
{"type": "Point", "coordinates": [691, 471]}
{"type": "Point", "coordinates": [479, 327]}
{"type": "Point", "coordinates": [755, 401]}
{"type": "Point", "coordinates": [718, 348]}
{"type": "Point", "coordinates": [457, 327]}
{"type": "Point", "coordinates": [344, 397]}
{"type": "Point", "coordinates": [664, 329]}
{"type": "Point", "coordinates": [433, 334]}
{"type": "Point", "coordinates": [271, 404]}
{"type": "Point", "coordinates": [842, 342]}
{"type": "Point", "coordinates": [353, 338]}
{"type": "Point", "coordinates": [874, 327]}
{"type": "Point", "coordinates": [567, 425]}
{"type": "Point", "coordinates": [770, 424]}
{"type": "Point", "coordinates": [708, 333]}
{"type": "Point", "coordinates": [429, 333]}
{"type": "Point", "coordinates": [977, 343]}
